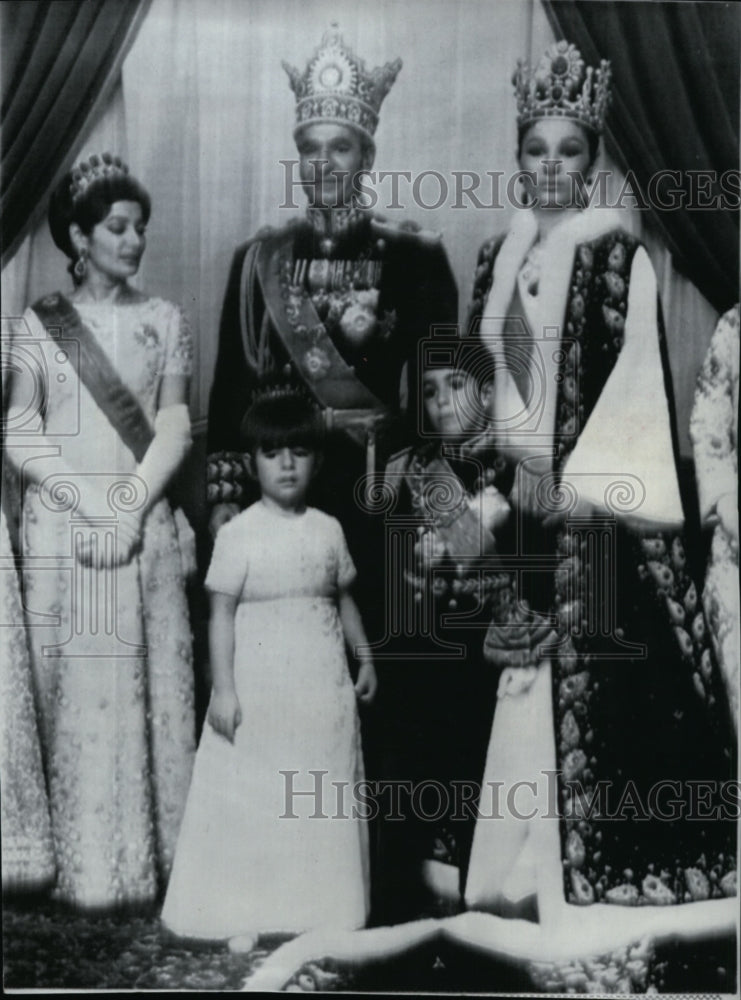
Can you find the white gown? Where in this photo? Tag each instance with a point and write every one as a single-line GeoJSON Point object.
{"type": "Point", "coordinates": [27, 849]}
{"type": "Point", "coordinates": [111, 650]}
{"type": "Point", "coordinates": [251, 856]}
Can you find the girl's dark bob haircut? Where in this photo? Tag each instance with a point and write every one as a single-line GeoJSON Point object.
{"type": "Point", "coordinates": [282, 416]}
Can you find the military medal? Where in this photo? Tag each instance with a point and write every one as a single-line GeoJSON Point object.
{"type": "Point", "coordinates": [316, 363]}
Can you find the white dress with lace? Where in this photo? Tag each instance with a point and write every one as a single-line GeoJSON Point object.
{"type": "Point", "coordinates": [111, 650]}
{"type": "Point", "coordinates": [256, 852]}
{"type": "Point", "coordinates": [27, 850]}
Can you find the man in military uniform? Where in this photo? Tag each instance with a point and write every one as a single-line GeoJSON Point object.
{"type": "Point", "coordinates": [337, 299]}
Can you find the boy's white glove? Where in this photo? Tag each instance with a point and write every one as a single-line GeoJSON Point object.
{"type": "Point", "coordinates": [491, 506]}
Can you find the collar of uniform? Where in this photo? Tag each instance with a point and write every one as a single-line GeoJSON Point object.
{"type": "Point", "coordinates": [331, 227]}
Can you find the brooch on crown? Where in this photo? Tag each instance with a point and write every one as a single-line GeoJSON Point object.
{"type": "Point", "coordinates": [561, 86]}
{"type": "Point", "coordinates": [336, 86]}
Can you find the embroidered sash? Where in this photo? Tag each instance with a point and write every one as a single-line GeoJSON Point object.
{"type": "Point", "coordinates": [438, 493]}
{"type": "Point", "coordinates": [94, 369]}
{"type": "Point", "coordinates": [306, 339]}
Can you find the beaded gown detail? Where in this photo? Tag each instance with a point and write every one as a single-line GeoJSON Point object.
{"type": "Point", "coordinates": [110, 649]}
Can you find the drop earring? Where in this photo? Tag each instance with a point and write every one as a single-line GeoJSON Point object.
{"type": "Point", "coordinates": [527, 199]}
{"type": "Point", "coordinates": [80, 268]}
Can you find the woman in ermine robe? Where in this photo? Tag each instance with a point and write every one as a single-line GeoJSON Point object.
{"type": "Point", "coordinates": [611, 713]}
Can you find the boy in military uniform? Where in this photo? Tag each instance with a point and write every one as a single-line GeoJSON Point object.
{"type": "Point", "coordinates": [436, 691]}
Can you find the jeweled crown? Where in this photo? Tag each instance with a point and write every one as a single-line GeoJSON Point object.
{"type": "Point", "coordinates": [561, 86]}
{"type": "Point", "coordinates": [95, 168]}
{"type": "Point", "coordinates": [280, 385]}
{"type": "Point", "coordinates": [337, 87]}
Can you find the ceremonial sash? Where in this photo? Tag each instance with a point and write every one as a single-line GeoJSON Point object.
{"type": "Point", "coordinates": [94, 369]}
{"type": "Point", "coordinates": [306, 339]}
{"type": "Point", "coordinates": [438, 493]}
{"type": "Point", "coordinates": [115, 400]}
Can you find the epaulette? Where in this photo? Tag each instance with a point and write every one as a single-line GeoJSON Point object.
{"type": "Point", "coordinates": [382, 228]}
{"type": "Point", "coordinates": [267, 232]}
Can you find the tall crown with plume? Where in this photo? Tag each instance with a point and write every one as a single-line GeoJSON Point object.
{"type": "Point", "coordinates": [561, 86]}
{"type": "Point", "coordinates": [337, 87]}
{"type": "Point", "coordinates": [95, 168]}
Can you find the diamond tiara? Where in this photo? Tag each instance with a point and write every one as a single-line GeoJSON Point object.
{"type": "Point", "coordinates": [95, 168]}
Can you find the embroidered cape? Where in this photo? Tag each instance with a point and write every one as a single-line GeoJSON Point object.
{"type": "Point", "coordinates": [637, 698]}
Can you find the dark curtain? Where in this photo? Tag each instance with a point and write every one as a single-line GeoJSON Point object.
{"type": "Point", "coordinates": [58, 60]}
{"type": "Point", "coordinates": [675, 107]}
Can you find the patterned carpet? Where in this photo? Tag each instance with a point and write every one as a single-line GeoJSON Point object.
{"type": "Point", "coordinates": [47, 946]}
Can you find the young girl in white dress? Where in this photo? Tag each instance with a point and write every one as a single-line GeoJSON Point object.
{"type": "Point", "coordinates": [256, 853]}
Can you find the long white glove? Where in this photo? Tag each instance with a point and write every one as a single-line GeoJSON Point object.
{"type": "Point", "coordinates": [41, 462]}
{"type": "Point", "coordinates": [171, 443]}
{"type": "Point", "coordinates": [164, 456]}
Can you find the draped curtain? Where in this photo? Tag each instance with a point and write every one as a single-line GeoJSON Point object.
{"type": "Point", "coordinates": [676, 107]}
{"type": "Point", "coordinates": [59, 66]}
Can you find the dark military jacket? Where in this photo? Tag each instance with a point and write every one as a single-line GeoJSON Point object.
{"type": "Point", "coordinates": [342, 314]}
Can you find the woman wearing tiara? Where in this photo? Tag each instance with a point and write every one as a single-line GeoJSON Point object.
{"type": "Point", "coordinates": [101, 426]}
{"type": "Point", "coordinates": [609, 689]}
